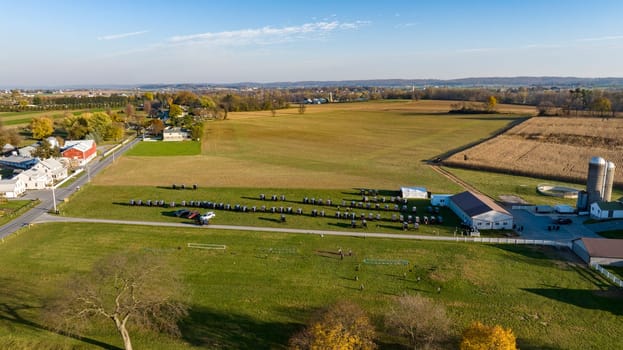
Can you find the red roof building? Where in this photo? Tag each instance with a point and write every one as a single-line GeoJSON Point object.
{"type": "Point", "coordinates": [82, 151]}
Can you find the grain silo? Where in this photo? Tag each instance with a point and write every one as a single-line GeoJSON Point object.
{"type": "Point", "coordinates": [595, 181]}
{"type": "Point", "coordinates": [606, 194]}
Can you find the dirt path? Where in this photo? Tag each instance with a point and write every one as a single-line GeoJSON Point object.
{"type": "Point", "coordinates": [455, 179]}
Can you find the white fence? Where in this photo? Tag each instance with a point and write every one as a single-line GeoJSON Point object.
{"type": "Point", "coordinates": [522, 241]}
{"type": "Point", "coordinates": [610, 276]}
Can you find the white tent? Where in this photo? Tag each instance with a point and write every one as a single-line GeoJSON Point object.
{"type": "Point", "coordinates": [414, 192]}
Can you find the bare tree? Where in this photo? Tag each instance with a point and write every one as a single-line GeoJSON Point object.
{"type": "Point", "coordinates": [423, 322]}
{"type": "Point", "coordinates": [125, 288]}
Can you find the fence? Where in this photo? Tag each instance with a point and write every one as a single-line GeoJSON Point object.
{"type": "Point", "coordinates": [610, 276]}
{"type": "Point", "coordinates": [522, 241]}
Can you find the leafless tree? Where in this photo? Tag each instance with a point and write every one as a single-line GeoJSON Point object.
{"type": "Point", "coordinates": [423, 322]}
{"type": "Point", "coordinates": [142, 289]}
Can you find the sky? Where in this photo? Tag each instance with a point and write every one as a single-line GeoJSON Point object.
{"type": "Point", "coordinates": [65, 43]}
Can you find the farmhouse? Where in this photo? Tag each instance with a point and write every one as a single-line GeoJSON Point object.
{"type": "Point", "coordinates": [12, 188]}
{"type": "Point", "coordinates": [174, 134]}
{"type": "Point", "coordinates": [606, 210]}
{"type": "Point", "coordinates": [602, 251]}
{"type": "Point", "coordinates": [480, 212]}
{"type": "Point", "coordinates": [53, 168]}
{"type": "Point", "coordinates": [81, 151]}
{"type": "Point", "coordinates": [35, 179]}
{"type": "Point", "coordinates": [414, 192]}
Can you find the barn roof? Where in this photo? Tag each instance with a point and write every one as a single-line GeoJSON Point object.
{"type": "Point", "coordinates": [80, 145]}
{"type": "Point", "coordinates": [475, 204]}
{"type": "Point", "coordinates": [603, 247]}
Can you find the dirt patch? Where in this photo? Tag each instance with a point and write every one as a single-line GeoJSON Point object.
{"type": "Point", "coordinates": [511, 199]}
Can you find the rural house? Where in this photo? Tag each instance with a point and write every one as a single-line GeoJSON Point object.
{"type": "Point", "coordinates": [80, 151]}
{"type": "Point", "coordinates": [35, 179]}
{"type": "Point", "coordinates": [55, 169]}
{"type": "Point", "coordinates": [12, 188]}
{"type": "Point", "coordinates": [174, 134]}
{"type": "Point", "coordinates": [602, 251]}
{"type": "Point", "coordinates": [480, 212]}
{"type": "Point", "coordinates": [606, 210]}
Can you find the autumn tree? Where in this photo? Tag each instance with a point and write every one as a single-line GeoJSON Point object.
{"type": "Point", "coordinates": [157, 126]}
{"type": "Point", "coordinates": [149, 96]}
{"type": "Point", "coordinates": [129, 111]}
{"type": "Point", "coordinates": [77, 126]}
{"type": "Point", "coordinates": [125, 289]}
{"type": "Point", "coordinates": [116, 131]}
{"type": "Point", "coordinates": [147, 108]}
{"type": "Point", "coordinates": [45, 150]}
{"type": "Point", "coordinates": [420, 320]}
{"type": "Point", "coordinates": [10, 136]}
{"type": "Point", "coordinates": [491, 103]}
{"type": "Point", "coordinates": [481, 337]}
{"type": "Point", "coordinates": [196, 131]}
{"type": "Point", "coordinates": [41, 127]}
{"type": "Point", "coordinates": [601, 105]}
{"type": "Point", "coordinates": [344, 325]}
{"type": "Point", "coordinates": [175, 110]}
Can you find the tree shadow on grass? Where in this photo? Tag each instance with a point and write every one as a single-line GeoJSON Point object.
{"type": "Point", "coordinates": [12, 308]}
{"type": "Point", "coordinates": [584, 298]}
{"type": "Point", "coordinates": [212, 329]}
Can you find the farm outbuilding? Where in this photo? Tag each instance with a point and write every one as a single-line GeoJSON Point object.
{"type": "Point", "coordinates": [606, 210]}
{"type": "Point", "coordinates": [81, 151]}
{"type": "Point", "coordinates": [440, 200]}
{"type": "Point", "coordinates": [414, 192]}
{"type": "Point", "coordinates": [602, 251]}
{"type": "Point", "coordinates": [480, 212]}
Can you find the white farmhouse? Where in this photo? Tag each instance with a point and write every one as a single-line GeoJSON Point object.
{"type": "Point", "coordinates": [12, 188]}
{"type": "Point", "coordinates": [55, 169]}
{"type": "Point", "coordinates": [606, 210]}
{"type": "Point", "coordinates": [174, 134]}
{"type": "Point", "coordinates": [35, 179]}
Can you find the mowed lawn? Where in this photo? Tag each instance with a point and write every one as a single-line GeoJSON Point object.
{"type": "Point", "coordinates": [264, 286]}
{"type": "Point", "coordinates": [373, 144]}
{"type": "Point", "coordinates": [163, 149]}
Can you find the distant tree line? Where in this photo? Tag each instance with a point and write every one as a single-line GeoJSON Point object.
{"type": "Point", "coordinates": [211, 103]}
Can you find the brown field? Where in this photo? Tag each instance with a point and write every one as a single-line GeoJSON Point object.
{"type": "Point", "coordinates": [549, 147]}
{"type": "Point", "coordinates": [372, 144]}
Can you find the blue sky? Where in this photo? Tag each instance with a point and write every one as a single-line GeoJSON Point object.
{"type": "Point", "coordinates": [56, 43]}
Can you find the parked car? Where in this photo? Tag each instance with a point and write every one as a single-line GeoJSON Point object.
{"type": "Point", "coordinates": [563, 221]}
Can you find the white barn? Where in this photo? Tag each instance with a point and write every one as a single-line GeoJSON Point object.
{"type": "Point", "coordinates": [174, 134]}
{"type": "Point", "coordinates": [35, 179]}
{"type": "Point", "coordinates": [602, 251]}
{"type": "Point", "coordinates": [414, 192]}
{"type": "Point", "coordinates": [480, 212]}
{"type": "Point", "coordinates": [606, 210]}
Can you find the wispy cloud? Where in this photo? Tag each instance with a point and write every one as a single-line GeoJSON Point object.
{"type": "Point", "coordinates": [603, 38]}
{"type": "Point", "coordinates": [121, 36]}
{"type": "Point", "coordinates": [268, 34]}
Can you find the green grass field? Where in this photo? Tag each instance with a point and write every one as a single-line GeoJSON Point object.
{"type": "Point", "coordinates": [164, 149]}
{"type": "Point", "coordinates": [91, 199]}
{"type": "Point", "coordinates": [251, 297]}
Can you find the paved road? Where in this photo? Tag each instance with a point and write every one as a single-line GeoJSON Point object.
{"type": "Point", "coordinates": [45, 196]}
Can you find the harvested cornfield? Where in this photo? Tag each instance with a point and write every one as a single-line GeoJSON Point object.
{"type": "Point", "coordinates": [549, 147]}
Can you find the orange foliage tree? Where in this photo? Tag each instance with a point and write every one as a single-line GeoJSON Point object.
{"type": "Point", "coordinates": [481, 337]}
{"type": "Point", "coordinates": [342, 326]}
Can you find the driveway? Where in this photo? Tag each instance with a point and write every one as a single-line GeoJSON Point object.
{"type": "Point", "coordinates": [535, 226]}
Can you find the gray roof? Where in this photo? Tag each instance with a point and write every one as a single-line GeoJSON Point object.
{"type": "Point", "coordinates": [475, 204]}
{"type": "Point", "coordinates": [603, 247]}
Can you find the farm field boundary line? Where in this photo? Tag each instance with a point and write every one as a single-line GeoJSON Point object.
{"type": "Point", "coordinates": [47, 218]}
{"type": "Point", "coordinates": [455, 179]}
{"type": "Point", "coordinates": [495, 134]}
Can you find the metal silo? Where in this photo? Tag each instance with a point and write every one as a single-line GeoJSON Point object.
{"type": "Point", "coordinates": [595, 181]}
{"type": "Point", "coordinates": [582, 203]}
{"type": "Point", "coordinates": [608, 181]}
